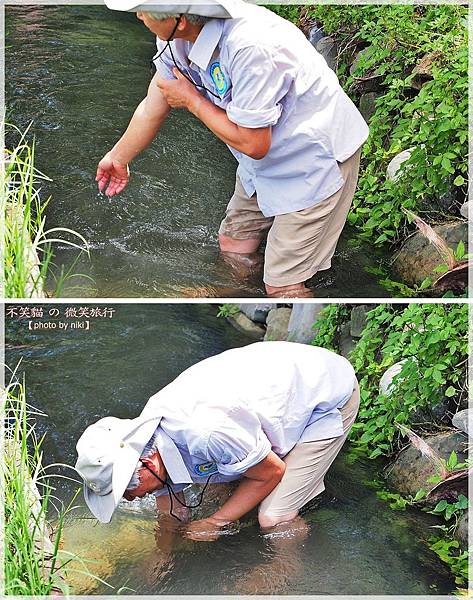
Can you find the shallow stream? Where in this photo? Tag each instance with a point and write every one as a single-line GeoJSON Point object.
{"type": "Point", "coordinates": [77, 73]}
{"type": "Point", "coordinates": [348, 542]}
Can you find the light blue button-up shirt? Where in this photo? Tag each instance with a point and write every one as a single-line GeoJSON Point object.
{"type": "Point", "coordinates": [266, 73]}
{"type": "Point", "coordinates": [225, 414]}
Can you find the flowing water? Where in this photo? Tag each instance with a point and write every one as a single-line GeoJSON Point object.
{"type": "Point", "coordinates": [77, 73]}
{"type": "Point", "coordinates": [347, 542]}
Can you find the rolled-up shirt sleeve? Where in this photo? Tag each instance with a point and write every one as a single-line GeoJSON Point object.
{"type": "Point", "coordinates": [260, 80]}
{"type": "Point", "coordinates": [238, 443]}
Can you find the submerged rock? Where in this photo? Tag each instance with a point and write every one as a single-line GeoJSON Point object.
{"type": "Point", "coordinates": [302, 321]}
{"type": "Point", "coordinates": [241, 322]}
{"type": "Point", "coordinates": [418, 258]}
{"type": "Point", "coordinates": [411, 470]}
{"type": "Point", "coordinates": [277, 324]}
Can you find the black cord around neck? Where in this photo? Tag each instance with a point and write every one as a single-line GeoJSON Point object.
{"type": "Point", "coordinates": [172, 493]}
{"type": "Point", "coordinates": [168, 45]}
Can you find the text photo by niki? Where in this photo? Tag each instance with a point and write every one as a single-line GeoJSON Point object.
{"type": "Point", "coordinates": [240, 448]}
{"type": "Point", "coordinates": [344, 173]}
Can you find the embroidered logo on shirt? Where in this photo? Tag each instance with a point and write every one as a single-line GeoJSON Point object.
{"type": "Point", "coordinates": [218, 78]}
{"type": "Point", "coordinates": [205, 469]}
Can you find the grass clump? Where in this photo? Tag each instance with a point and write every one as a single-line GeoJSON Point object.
{"type": "Point", "coordinates": [27, 244]}
{"type": "Point", "coordinates": [34, 519]}
{"type": "Point", "coordinates": [32, 564]}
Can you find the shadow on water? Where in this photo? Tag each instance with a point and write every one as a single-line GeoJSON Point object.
{"type": "Point", "coordinates": [159, 237]}
{"type": "Point", "coordinates": [347, 542]}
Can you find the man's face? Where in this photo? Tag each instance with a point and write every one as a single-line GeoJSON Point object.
{"type": "Point", "coordinates": [162, 28]}
{"type": "Point", "coordinates": [148, 484]}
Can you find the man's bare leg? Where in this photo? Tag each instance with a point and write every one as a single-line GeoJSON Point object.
{"type": "Point", "coordinates": [296, 290]}
{"type": "Point", "coordinates": [242, 254]}
{"type": "Point", "coordinates": [287, 537]}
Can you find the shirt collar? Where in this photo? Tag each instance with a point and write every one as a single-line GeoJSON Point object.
{"type": "Point", "coordinates": [206, 42]}
{"type": "Point", "coordinates": [172, 458]}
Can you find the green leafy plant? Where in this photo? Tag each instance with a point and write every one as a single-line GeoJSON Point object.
{"type": "Point", "coordinates": [227, 310]}
{"type": "Point", "coordinates": [431, 122]}
{"type": "Point", "coordinates": [328, 326]}
{"type": "Point", "coordinates": [429, 340]}
{"type": "Point", "coordinates": [398, 502]}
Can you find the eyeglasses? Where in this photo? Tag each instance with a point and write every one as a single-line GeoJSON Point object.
{"type": "Point", "coordinates": [172, 493]}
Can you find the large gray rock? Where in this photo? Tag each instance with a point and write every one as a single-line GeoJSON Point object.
{"type": "Point", "coordinates": [256, 312]}
{"type": "Point", "coordinates": [422, 72]}
{"type": "Point", "coordinates": [411, 470]}
{"type": "Point", "coordinates": [465, 209]}
{"type": "Point", "coordinates": [386, 381]}
{"type": "Point", "coordinates": [241, 322]}
{"type": "Point", "coordinates": [418, 258]}
{"type": "Point", "coordinates": [328, 48]}
{"type": "Point", "coordinates": [358, 319]}
{"type": "Point", "coordinates": [315, 35]}
{"type": "Point", "coordinates": [369, 80]}
{"type": "Point", "coordinates": [347, 342]}
{"type": "Point", "coordinates": [277, 324]}
{"type": "Point", "coordinates": [394, 171]}
{"type": "Point", "coordinates": [425, 414]}
{"type": "Point", "coordinates": [461, 420]}
{"type": "Point", "coordinates": [302, 321]}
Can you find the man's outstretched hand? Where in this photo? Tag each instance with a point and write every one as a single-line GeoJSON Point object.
{"type": "Point", "coordinates": [113, 173]}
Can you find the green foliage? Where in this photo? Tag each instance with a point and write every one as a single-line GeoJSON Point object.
{"type": "Point", "coordinates": [27, 257]}
{"type": "Point", "coordinates": [328, 326]}
{"type": "Point", "coordinates": [450, 552]}
{"type": "Point", "coordinates": [227, 310]}
{"type": "Point", "coordinates": [445, 545]}
{"type": "Point", "coordinates": [449, 510]}
{"type": "Point", "coordinates": [291, 12]}
{"type": "Point", "coordinates": [433, 122]}
{"type": "Point", "coordinates": [430, 340]}
{"type": "Point", "coordinates": [398, 502]}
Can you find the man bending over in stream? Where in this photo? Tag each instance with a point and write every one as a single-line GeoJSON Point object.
{"type": "Point", "coordinates": [258, 84]}
{"type": "Point", "coordinates": [271, 416]}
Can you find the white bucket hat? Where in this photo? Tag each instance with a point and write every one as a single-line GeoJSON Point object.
{"type": "Point", "coordinates": [108, 452]}
{"type": "Point", "coordinates": [220, 9]}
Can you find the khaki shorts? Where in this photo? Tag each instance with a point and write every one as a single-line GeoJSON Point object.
{"type": "Point", "coordinates": [299, 243]}
{"type": "Point", "coordinates": [306, 466]}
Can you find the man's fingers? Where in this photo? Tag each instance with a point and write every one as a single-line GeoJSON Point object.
{"type": "Point", "coordinates": [115, 186]}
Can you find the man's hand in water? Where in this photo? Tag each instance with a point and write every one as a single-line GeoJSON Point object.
{"type": "Point", "coordinates": [204, 530]}
{"type": "Point", "coordinates": [113, 173]}
{"type": "Point", "coordinates": [179, 92]}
